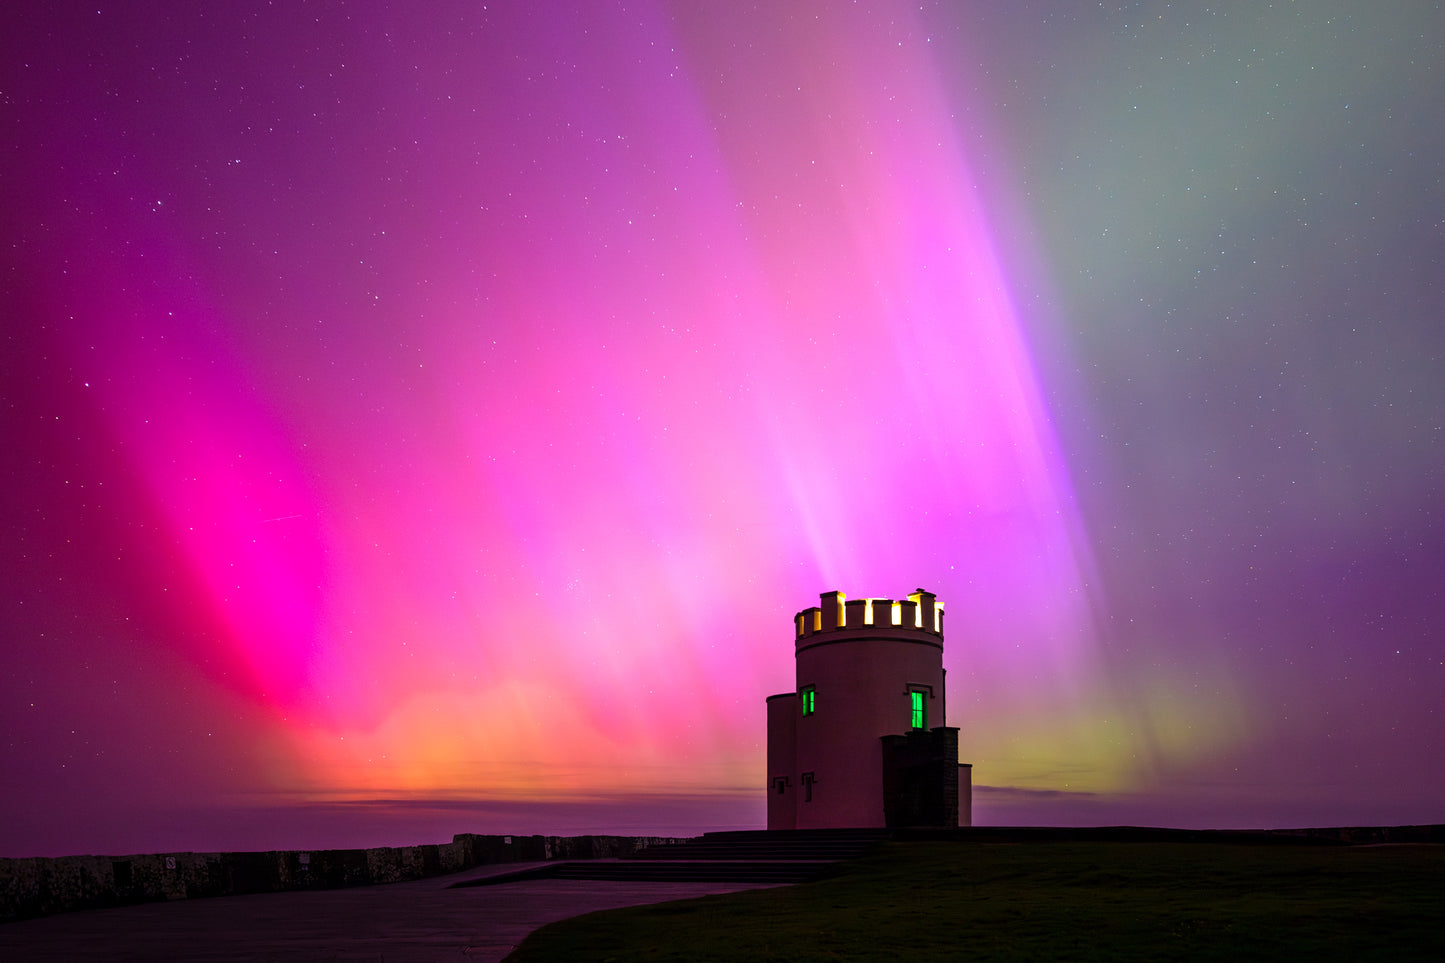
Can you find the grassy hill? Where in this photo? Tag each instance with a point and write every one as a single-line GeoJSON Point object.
{"type": "Point", "coordinates": [921, 901]}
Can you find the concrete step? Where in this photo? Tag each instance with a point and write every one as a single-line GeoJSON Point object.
{"type": "Point", "coordinates": [792, 856]}
{"type": "Point", "coordinates": [787, 845]}
{"type": "Point", "coordinates": [831, 853]}
{"type": "Point", "coordinates": [708, 871]}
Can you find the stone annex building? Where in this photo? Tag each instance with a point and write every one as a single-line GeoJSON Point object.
{"type": "Point", "coordinates": [861, 742]}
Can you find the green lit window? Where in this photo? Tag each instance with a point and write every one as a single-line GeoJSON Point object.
{"type": "Point", "coordinates": [920, 709]}
{"type": "Point", "coordinates": [808, 696]}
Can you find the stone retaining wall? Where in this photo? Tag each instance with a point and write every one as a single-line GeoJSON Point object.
{"type": "Point", "coordinates": [41, 886]}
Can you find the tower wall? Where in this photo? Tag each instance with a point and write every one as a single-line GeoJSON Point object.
{"type": "Point", "coordinates": [782, 761]}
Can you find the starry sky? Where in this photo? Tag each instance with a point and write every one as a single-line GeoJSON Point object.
{"type": "Point", "coordinates": [421, 420]}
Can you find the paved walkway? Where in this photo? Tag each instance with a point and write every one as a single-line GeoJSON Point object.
{"type": "Point", "coordinates": [417, 921]}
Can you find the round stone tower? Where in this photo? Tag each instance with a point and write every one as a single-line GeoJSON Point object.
{"type": "Point", "coordinates": [863, 737]}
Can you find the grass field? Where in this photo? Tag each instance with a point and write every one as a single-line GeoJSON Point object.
{"type": "Point", "coordinates": [913, 902]}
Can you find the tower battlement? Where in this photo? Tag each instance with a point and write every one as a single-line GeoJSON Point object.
{"type": "Point", "coordinates": [920, 612]}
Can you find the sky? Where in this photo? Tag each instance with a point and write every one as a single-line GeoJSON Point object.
{"type": "Point", "coordinates": [428, 420]}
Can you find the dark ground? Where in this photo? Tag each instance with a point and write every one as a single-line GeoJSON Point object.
{"type": "Point", "coordinates": [947, 901]}
{"type": "Point", "coordinates": [416, 921]}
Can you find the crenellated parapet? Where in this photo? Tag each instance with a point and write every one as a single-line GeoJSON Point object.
{"type": "Point", "coordinates": [837, 617]}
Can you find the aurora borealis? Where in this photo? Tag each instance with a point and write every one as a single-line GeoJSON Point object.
{"type": "Point", "coordinates": [421, 422]}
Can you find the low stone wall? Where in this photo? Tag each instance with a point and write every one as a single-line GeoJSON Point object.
{"type": "Point", "coordinates": [41, 886]}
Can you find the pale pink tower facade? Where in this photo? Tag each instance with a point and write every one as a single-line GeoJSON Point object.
{"type": "Point", "coordinates": [861, 741]}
